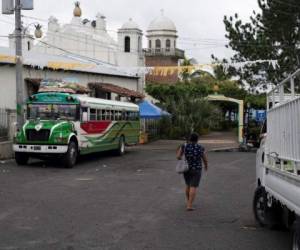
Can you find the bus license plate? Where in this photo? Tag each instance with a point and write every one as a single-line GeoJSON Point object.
{"type": "Point", "coordinates": [37, 148]}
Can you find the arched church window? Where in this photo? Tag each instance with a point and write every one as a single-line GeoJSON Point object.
{"type": "Point", "coordinates": [150, 44]}
{"type": "Point", "coordinates": [157, 45]}
{"type": "Point", "coordinates": [127, 44]}
{"type": "Point", "coordinates": [28, 46]}
{"type": "Point", "coordinates": [168, 45]}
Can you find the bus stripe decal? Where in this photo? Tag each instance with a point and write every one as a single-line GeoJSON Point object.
{"type": "Point", "coordinates": [95, 127]}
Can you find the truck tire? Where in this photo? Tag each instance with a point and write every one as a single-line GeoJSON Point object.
{"type": "Point", "coordinates": [296, 235]}
{"type": "Point", "coordinates": [21, 158]}
{"type": "Point", "coordinates": [121, 148]}
{"type": "Point", "coordinates": [266, 216]}
{"type": "Point", "coordinates": [70, 158]}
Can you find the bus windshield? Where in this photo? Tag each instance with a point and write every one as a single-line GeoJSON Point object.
{"type": "Point", "coordinates": [52, 111]}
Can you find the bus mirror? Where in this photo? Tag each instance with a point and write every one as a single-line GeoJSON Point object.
{"type": "Point", "coordinates": [84, 116]}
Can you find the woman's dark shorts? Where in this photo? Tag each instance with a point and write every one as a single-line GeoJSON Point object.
{"type": "Point", "coordinates": [192, 178]}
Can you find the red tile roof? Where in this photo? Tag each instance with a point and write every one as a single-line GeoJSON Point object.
{"type": "Point", "coordinates": [111, 88]}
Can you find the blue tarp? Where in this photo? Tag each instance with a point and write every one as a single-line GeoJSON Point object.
{"type": "Point", "coordinates": [149, 111]}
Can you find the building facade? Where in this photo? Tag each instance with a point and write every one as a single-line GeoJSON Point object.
{"type": "Point", "coordinates": [40, 66]}
{"type": "Point", "coordinates": [162, 48]}
{"type": "Point", "coordinates": [90, 39]}
{"type": "Point", "coordinates": [84, 41]}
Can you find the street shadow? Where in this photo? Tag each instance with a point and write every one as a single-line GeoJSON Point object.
{"type": "Point", "coordinates": [94, 157]}
{"type": "Point", "coordinates": [56, 163]}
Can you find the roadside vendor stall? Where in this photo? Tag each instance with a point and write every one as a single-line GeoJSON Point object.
{"type": "Point", "coordinates": [150, 116]}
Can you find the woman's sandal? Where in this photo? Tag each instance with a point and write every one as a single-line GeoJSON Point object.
{"type": "Point", "coordinates": [190, 209]}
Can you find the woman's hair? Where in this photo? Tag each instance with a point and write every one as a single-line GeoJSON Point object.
{"type": "Point", "coordinates": [194, 137]}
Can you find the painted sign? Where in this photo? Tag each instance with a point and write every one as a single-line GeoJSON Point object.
{"type": "Point", "coordinates": [260, 115]}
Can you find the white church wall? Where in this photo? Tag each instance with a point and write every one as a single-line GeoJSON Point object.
{"type": "Point", "coordinates": [79, 39]}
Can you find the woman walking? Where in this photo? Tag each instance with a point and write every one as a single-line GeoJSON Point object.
{"type": "Point", "coordinates": [194, 154]}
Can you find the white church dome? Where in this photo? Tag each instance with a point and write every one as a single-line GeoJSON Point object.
{"type": "Point", "coordinates": [162, 23]}
{"type": "Point", "coordinates": [130, 25]}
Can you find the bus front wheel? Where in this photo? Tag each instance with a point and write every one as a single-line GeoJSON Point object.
{"type": "Point", "coordinates": [21, 158]}
{"type": "Point", "coordinates": [69, 159]}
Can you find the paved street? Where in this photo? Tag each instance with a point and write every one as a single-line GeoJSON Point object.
{"type": "Point", "coordinates": [131, 202]}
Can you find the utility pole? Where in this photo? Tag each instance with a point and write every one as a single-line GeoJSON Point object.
{"type": "Point", "coordinates": [19, 65]}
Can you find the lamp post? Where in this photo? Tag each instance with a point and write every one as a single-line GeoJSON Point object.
{"type": "Point", "coordinates": [19, 65]}
{"type": "Point", "coordinates": [19, 32]}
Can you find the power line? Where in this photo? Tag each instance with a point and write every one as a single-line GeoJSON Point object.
{"type": "Point", "coordinates": [74, 54]}
{"type": "Point", "coordinates": [204, 41]}
{"type": "Point", "coordinates": [200, 39]}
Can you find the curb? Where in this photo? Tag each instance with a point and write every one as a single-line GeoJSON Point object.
{"type": "Point", "coordinates": [6, 161]}
{"type": "Point", "coordinates": [233, 150]}
{"type": "Point", "coordinates": [224, 150]}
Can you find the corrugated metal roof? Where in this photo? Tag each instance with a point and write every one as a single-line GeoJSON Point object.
{"type": "Point", "coordinates": [63, 62]}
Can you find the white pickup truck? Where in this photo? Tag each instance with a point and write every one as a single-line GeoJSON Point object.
{"type": "Point", "coordinates": [277, 196]}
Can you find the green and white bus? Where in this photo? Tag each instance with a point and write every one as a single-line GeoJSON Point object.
{"type": "Point", "coordinates": [68, 125]}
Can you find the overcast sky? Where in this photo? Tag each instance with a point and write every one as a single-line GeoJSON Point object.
{"type": "Point", "coordinates": [199, 22]}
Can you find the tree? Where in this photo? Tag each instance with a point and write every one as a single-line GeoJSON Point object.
{"type": "Point", "coordinates": [185, 74]}
{"type": "Point", "coordinates": [187, 105]}
{"type": "Point", "coordinates": [273, 33]}
{"type": "Point", "coordinates": [222, 74]}
{"type": "Point", "coordinates": [192, 112]}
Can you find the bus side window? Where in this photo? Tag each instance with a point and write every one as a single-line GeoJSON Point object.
{"type": "Point", "coordinates": [113, 118]}
{"type": "Point", "coordinates": [103, 115]}
{"type": "Point", "coordinates": [77, 115]}
{"type": "Point", "coordinates": [134, 116]}
{"type": "Point", "coordinates": [92, 114]}
{"type": "Point", "coordinates": [107, 118]}
{"type": "Point", "coordinates": [123, 115]}
{"type": "Point", "coordinates": [84, 114]}
{"type": "Point", "coordinates": [99, 112]}
{"type": "Point", "coordinates": [118, 115]}
{"type": "Point", "coordinates": [131, 115]}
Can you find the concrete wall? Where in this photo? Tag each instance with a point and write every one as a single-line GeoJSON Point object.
{"type": "Point", "coordinates": [8, 81]}
{"type": "Point", "coordinates": [6, 151]}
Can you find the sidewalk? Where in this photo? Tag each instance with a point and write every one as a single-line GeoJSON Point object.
{"type": "Point", "coordinates": [212, 142]}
